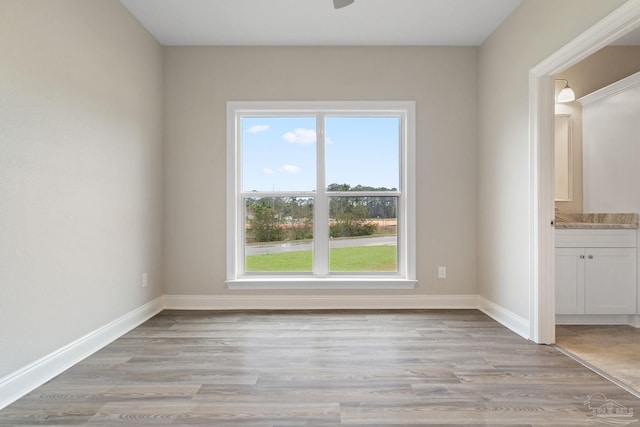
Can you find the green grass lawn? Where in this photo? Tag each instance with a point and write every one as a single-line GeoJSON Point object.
{"type": "Point", "coordinates": [358, 259]}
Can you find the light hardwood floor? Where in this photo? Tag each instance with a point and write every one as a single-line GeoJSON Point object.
{"type": "Point", "coordinates": [319, 368]}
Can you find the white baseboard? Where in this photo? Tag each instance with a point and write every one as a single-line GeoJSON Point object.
{"type": "Point", "coordinates": [322, 302]}
{"type": "Point", "coordinates": [28, 378]}
{"type": "Point", "coordinates": [598, 319]}
{"type": "Point", "coordinates": [318, 302]}
{"type": "Point", "coordinates": [505, 317]}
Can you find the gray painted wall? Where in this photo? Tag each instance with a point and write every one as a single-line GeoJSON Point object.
{"type": "Point", "coordinates": [80, 172]}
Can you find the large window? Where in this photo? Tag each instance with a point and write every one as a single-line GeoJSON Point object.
{"type": "Point", "coordinates": [321, 194]}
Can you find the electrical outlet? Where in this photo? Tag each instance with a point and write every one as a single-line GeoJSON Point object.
{"type": "Point", "coordinates": [442, 272]}
{"type": "Point", "coordinates": [145, 280]}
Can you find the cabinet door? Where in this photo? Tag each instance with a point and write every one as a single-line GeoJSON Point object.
{"type": "Point", "coordinates": [570, 272]}
{"type": "Point", "coordinates": [610, 284]}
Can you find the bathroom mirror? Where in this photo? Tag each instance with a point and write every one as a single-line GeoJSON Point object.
{"type": "Point", "coordinates": [563, 158]}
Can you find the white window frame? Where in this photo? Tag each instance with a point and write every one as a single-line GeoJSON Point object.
{"type": "Point", "coordinates": [404, 278]}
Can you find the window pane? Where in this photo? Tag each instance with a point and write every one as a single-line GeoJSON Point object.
{"type": "Point", "coordinates": [278, 234]}
{"type": "Point", "coordinates": [278, 154]}
{"type": "Point", "coordinates": [364, 236]}
{"type": "Point", "coordinates": [362, 153]}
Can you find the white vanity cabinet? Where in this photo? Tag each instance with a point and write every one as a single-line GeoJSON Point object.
{"type": "Point", "coordinates": [595, 271]}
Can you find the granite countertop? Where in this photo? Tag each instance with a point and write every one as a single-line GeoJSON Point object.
{"type": "Point", "coordinates": [597, 220]}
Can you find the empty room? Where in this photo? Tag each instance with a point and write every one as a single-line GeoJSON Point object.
{"type": "Point", "coordinates": [309, 212]}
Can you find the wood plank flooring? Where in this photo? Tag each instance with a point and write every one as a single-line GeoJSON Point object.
{"type": "Point", "coordinates": [319, 368]}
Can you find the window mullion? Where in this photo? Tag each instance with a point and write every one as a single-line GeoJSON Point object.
{"type": "Point", "coordinates": [293, 219]}
{"type": "Point", "coordinates": [321, 205]}
{"type": "Point", "coordinates": [240, 203]}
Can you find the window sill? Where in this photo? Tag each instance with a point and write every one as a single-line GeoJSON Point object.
{"type": "Point", "coordinates": [331, 283]}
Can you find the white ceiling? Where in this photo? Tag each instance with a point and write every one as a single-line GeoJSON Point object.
{"type": "Point", "coordinates": [316, 22]}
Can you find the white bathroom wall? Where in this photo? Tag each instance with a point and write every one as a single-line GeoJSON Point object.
{"type": "Point", "coordinates": [611, 147]}
{"type": "Point", "coordinates": [604, 67]}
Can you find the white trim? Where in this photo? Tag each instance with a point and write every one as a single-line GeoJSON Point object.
{"type": "Point", "coordinates": [408, 230]}
{"type": "Point", "coordinates": [318, 302]}
{"type": "Point", "coordinates": [28, 378]}
{"type": "Point", "coordinates": [314, 106]}
{"type": "Point", "coordinates": [611, 90]}
{"type": "Point", "coordinates": [328, 302]}
{"type": "Point", "coordinates": [542, 209]}
{"type": "Point", "coordinates": [233, 201]}
{"type": "Point", "coordinates": [613, 26]}
{"type": "Point", "coordinates": [505, 317]}
{"type": "Point", "coordinates": [323, 283]}
{"type": "Point", "coordinates": [541, 109]}
{"type": "Point", "coordinates": [406, 208]}
{"type": "Point", "coordinates": [597, 319]}
{"type": "Point", "coordinates": [321, 234]}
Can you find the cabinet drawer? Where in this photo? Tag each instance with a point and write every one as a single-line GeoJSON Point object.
{"type": "Point", "coordinates": [607, 238]}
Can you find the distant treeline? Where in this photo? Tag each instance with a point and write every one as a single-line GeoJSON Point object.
{"type": "Point", "coordinates": [291, 218]}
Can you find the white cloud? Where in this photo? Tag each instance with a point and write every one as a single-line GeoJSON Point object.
{"type": "Point", "coordinates": [267, 171]}
{"type": "Point", "coordinates": [290, 169]}
{"type": "Point", "coordinates": [300, 136]}
{"type": "Point", "coordinates": [258, 128]}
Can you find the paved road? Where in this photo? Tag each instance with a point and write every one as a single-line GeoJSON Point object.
{"type": "Point", "coordinates": [306, 246]}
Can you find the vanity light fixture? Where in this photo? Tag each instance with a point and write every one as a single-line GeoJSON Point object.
{"type": "Point", "coordinates": [566, 94]}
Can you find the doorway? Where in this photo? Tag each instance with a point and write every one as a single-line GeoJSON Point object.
{"type": "Point", "coordinates": [542, 119]}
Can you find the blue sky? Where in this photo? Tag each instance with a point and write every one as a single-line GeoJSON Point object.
{"type": "Point", "coordinates": [279, 153]}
